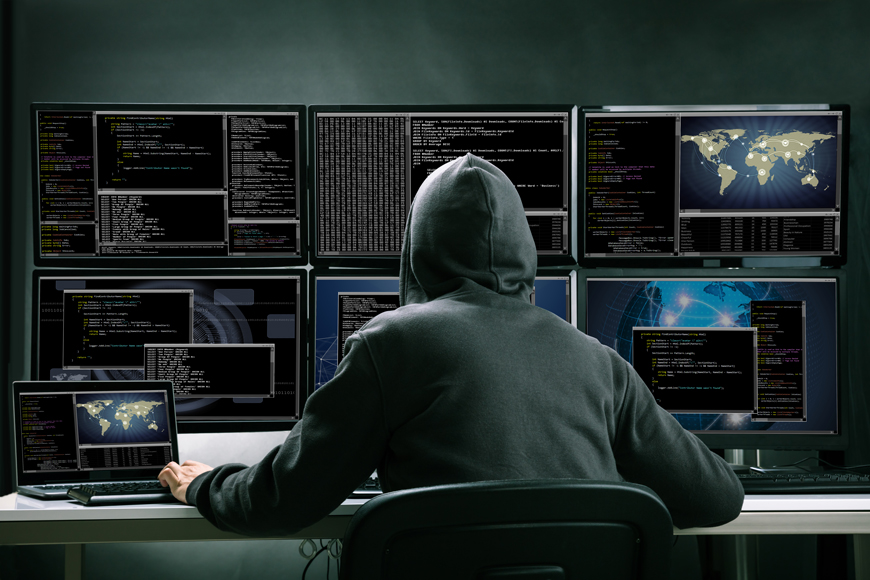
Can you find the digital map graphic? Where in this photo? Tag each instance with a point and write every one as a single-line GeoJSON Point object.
{"type": "Point", "coordinates": [763, 162]}
{"type": "Point", "coordinates": [122, 417]}
{"type": "Point", "coordinates": [762, 153]}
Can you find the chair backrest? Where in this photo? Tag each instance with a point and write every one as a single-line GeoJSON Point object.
{"type": "Point", "coordinates": [550, 529]}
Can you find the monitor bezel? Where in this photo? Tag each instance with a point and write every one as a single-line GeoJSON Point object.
{"type": "Point", "coordinates": [637, 261]}
{"type": "Point", "coordinates": [193, 426]}
{"type": "Point", "coordinates": [754, 439]}
{"type": "Point", "coordinates": [22, 387]}
{"type": "Point", "coordinates": [316, 260]}
{"type": "Point", "coordinates": [171, 261]}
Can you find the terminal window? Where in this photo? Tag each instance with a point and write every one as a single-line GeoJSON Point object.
{"type": "Point", "coordinates": [213, 370]}
{"type": "Point", "coordinates": [369, 166]}
{"type": "Point", "coordinates": [168, 183]}
{"type": "Point", "coordinates": [713, 184]}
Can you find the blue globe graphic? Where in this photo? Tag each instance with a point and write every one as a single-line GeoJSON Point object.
{"type": "Point", "coordinates": [683, 303]}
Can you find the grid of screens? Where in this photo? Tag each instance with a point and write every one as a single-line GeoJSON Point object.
{"type": "Point", "coordinates": [723, 184]}
{"type": "Point", "coordinates": [229, 343]}
{"type": "Point", "coordinates": [727, 356]}
{"type": "Point", "coordinates": [139, 182]}
{"type": "Point", "coordinates": [369, 164]}
{"type": "Point", "coordinates": [344, 302]}
{"type": "Point", "coordinates": [90, 431]}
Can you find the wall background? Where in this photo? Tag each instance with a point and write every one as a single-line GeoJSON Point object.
{"type": "Point", "coordinates": [417, 52]}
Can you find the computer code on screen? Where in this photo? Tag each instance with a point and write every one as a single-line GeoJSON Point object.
{"type": "Point", "coordinates": [213, 370]}
{"type": "Point", "coordinates": [48, 430]}
{"type": "Point", "coordinates": [108, 329]}
{"type": "Point", "coordinates": [698, 370]}
{"type": "Point", "coordinates": [231, 344]}
{"type": "Point", "coordinates": [177, 183]}
{"type": "Point", "coordinates": [369, 167]}
{"type": "Point", "coordinates": [725, 354]}
{"type": "Point", "coordinates": [355, 309]}
{"type": "Point", "coordinates": [713, 184]}
{"type": "Point", "coordinates": [782, 361]}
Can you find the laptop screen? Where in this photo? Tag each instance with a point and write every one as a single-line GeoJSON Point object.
{"type": "Point", "coordinates": [93, 430]}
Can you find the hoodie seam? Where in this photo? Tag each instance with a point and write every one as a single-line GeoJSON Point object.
{"type": "Point", "coordinates": [486, 196]}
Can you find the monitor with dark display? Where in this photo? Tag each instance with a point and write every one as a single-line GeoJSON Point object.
{"type": "Point", "coordinates": [343, 300]}
{"type": "Point", "coordinates": [369, 161]}
{"type": "Point", "coordinates": [749, 360]}
{"type": "Point", "coordinates": [231, 342]}
{"type": "Point", "coordinates": [725, 183]}
{"type": "Point", "coordinates": [133, 184]}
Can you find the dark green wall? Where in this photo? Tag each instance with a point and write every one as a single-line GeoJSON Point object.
{"type": "Point", "coordinates": [616, 52]}
{"type": "Point", "coordinates": [612, 52]}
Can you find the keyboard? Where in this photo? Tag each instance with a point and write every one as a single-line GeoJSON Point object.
{"type": "Point", "coordinates": [121, 493]}
{"type": "Point", "coordinates": [791, 483]}
{"type": "Point", "coordinates": [59, 490]}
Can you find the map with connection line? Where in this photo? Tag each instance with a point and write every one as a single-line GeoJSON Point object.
{"type": "Point", "coordinates": [764, 162]}
{"type": "Point", "coordinates": [762, 153]}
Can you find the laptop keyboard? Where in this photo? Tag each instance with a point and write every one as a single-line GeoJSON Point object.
{"type": "Point", "coordinates": [116, 488]}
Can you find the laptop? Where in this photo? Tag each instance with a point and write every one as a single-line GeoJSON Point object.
{"type": "Point", "coordinates": [108, 438]}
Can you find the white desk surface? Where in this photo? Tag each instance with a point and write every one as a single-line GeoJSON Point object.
{"type": "Point", "coordinates": [25, 520]}
{"type": "Point", "coordinates": [16, 508]}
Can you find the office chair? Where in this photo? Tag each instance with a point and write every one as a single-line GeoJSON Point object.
{"type": "Point", "coordinates": [556, 529]}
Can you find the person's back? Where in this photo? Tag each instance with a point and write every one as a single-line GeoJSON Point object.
{"type": "Point", "coordinates": [469, 381]}
{"type": "Point", "coordinates": [481, 386]}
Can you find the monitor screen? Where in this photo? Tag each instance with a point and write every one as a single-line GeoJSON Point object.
{"type": "Point", "coordinates": [729, 356]}
{"type": "Point", "coordinates": [369, 163]}
{"type": "Point", "coordinates": [93, 430]}
{"type": "Point", "coordinates": [126, 184]}
{"type": "Point", "coordinates": [701, 182]}
{"type": "Point", "coordinates": [344, 300]}
{"type": "Point", "coordinates": [229, 342]}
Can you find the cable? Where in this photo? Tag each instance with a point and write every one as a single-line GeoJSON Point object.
{"type": "Point", "coordinates": [311, 561]}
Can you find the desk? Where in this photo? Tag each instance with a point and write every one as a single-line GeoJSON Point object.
{"type": "Point", "coordinates": [29, 521]}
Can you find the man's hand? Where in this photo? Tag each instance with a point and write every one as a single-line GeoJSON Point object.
{"type": "Point", "coordinates": [178, 477]}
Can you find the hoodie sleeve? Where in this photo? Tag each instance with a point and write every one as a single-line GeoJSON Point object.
{"type": "Point", "coordinates": [651, 448]}
{"type": "Point", "coordinates": [335, 447]}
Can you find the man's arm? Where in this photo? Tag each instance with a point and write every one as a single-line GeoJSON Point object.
{"type": "Point", "coordinates": [335, 447]}
{"type": "Point", "coordinates": [652, 448]}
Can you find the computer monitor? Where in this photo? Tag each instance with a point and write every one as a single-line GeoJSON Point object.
{"type": "Point", "coordinates": [129, 185]}
{"type": "Point", "coordinates": [749, 360]}
{"type": "Point", "coordinates": [678, 185]}
{"type": "Point", "coordinates": [342, 300]}
{"type": "Point", "coordinates": [369, 161]}
{"type": "Point", "coordinates": [232, 342]}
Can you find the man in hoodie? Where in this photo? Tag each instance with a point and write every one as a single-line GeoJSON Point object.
{"type": "Point", "coordinates": [466, 381]}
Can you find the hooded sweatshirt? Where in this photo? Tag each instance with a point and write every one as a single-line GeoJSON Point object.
{"type": "Point", "coordinates": [468, 381]}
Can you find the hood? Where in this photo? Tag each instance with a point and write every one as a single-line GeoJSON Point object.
{"type": "Point", "coordinates": [466, 224]}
